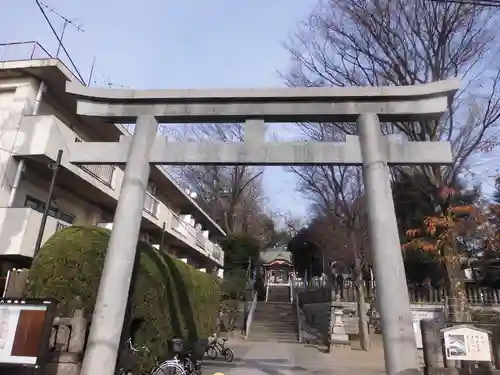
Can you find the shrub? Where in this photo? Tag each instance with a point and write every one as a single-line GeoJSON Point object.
{"type": "Point", "coordinates": [170, 297]}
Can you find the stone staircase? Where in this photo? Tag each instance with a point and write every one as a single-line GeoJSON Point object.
{"type": "Point", "coordinates": [275, 321]}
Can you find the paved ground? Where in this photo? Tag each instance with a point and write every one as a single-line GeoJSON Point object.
{"type": "Point", "coordinates": [257, 358]}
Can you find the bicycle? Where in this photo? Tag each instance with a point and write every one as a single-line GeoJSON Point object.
{"type": "Point", "coordinates": [192, 366]}
{"type": "Point", "coordinates": [168, 367]}
{"type": "Point", "coordinates": [218, 346]}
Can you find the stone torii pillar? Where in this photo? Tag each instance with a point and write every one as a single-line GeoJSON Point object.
{"type": "Point", "coordinates": [370, 149]}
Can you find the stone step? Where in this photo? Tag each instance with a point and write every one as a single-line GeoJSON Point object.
{"type": "Point", "coordinates": [291, 339]}
{"type": "Point", "coordinates": [273, 329]}
{"type": "Point", "coordinates": [280, 341]}
{"type": "Point", "coordinates": [277, 312]}
{"type": "Point", "coordinates": [274, 319]}
{"type": "Point", "coordinates": [268, 323]}
{"type": "Point", "coordinates": [255, 330]}
{"type": "Point", "coordinates": [274, 322]}
{"type": "Point", "coordinates": [274, 308]}
{"type": "Point", "coordinates": [274, 315]}
{"type": "Point", "coordinates": [273, 335]}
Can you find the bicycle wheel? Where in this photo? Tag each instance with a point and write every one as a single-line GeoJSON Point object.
{"type": "Point", "coordinates": [211, 352]}
{"type": "Point", "coordinates": [228, 355]}
{"type": "Point", "coordinates": [198, 368]}
{"type": "Point", "coordinates": [189, 366]}
{"type": "Point", "coordinates": [168, 368]}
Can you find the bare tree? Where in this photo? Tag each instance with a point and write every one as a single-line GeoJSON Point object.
{"type": "Point", "coordinates": [337, 192]}
{"type": "Point", "coordinates": [231, 194]}
{"type": "Point", "coordinates": [405, 42]}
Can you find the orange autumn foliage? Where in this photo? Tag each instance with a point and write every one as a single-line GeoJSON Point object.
{"type": "Point", "coordinates": [413, 232]}
{"type": "Point", "coordinates": [462, 210]}
{"type": "Point", "coordinates": [439, 231]}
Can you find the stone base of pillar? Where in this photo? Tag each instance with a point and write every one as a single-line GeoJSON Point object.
{"type": "Point", "coordinates": [340, 340]}
{"type": "Point", "coordinates": [339, 337]}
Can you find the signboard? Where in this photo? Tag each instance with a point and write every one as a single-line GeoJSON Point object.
{"type": "Point", "coordinates": [467, 343]}
{"type": "Point", "coordinates": [25, 327]}
{"type": "Point", "coordinates": [418, 315]}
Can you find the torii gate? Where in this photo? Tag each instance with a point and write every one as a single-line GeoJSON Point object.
{"type": "Point", "coordinates": [253, 107]}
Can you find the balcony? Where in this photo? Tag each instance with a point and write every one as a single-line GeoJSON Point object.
{"type": "Point", "coordinates": [151, 205]}
{"type": "Point", "coordinates": [201, 241]}
{"type": "Point", "coordinates": [45, 135]}
{"type": "Point", "coordinates": [218, 253]}
{"type": "Point", "coordinates": [103, 173]}
{"type": "Point", "coordinates": [179, 226]}
{"type": "Point", "coordinates": [32, 50]}
{"type": "Point", "coordinates": [19, 230]}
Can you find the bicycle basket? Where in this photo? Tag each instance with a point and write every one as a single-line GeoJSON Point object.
{"type": "Point", "coordinates": [177, 344]}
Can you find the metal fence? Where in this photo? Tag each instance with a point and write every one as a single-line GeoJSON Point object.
{"type": "Point", "coordinates": [32, 50]}
{"type": "Point", "coordinates": [151, 204]}
{"type": "Point", "coordinates": [103, 173]}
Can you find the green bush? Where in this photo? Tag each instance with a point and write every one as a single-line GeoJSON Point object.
{"type": "Point", "coordinates": [171, 297]}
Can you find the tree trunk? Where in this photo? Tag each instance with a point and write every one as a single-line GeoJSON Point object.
{"type": "Point", "coordinates": [331, 290]}
{"type": "Point", "coordinates": [364, 336]}
{"type": "Point", "coordinates": [456, 297]}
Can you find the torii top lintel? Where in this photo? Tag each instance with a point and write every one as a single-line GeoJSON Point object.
{"type": "Point", "coordinates": [317, 104]}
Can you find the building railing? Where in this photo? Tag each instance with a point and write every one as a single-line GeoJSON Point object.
{"type": "Point", "coordinates": [32, 50]}
{"type": "Point", "coordinates": [61, 225]}
{"type": "Point", "coordinates": [179, 226]}
{"type": "Point", "coordinates": [28, 50]}
{"type": "Point", "coordinates": [103, 173]}
{"type": "Point", "coordinates": [200, 240]}
{"type": "Point", "coordinates": [217, 252]}
{"type": "Point", "coordinates": [151, 204]}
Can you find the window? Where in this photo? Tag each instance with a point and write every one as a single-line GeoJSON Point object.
{"type": "Point", "coordinates": [38, 205]}
{"type": "Point", "coordinates": [151, 188]}
{"type": "Point", "coordinates": [66, 217]}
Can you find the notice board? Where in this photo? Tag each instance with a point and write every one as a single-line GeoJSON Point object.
{"type": "Point", "coordinates": [25, 328]}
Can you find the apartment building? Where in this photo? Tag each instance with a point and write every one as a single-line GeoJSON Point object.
{"type": "Point", "coordinates": [38, 118]}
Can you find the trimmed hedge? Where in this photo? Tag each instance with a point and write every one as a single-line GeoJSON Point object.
{"type": "Point", "coordinates": [170, 297]}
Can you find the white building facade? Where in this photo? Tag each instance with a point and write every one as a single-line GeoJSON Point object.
{"type": "Point", "coordinates": [37, 118]}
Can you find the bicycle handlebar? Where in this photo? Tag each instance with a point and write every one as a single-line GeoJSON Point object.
{"type": "Point", "coordinates": [136, 349]}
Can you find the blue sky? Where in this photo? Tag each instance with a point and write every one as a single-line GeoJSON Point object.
{"type": "Point", "coordinates": [173, 44]}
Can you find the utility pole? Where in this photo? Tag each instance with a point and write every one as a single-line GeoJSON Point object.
{"type": "Point", "coordinates": [66, 23]}
{"type": "Point", "coordinates": [55, 169]}
{"type": "Point", "coordinates": [162, 236]}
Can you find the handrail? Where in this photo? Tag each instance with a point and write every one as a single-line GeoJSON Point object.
{"type": "Point", "coordinates": [297, 312]}
{"type": "Point", "coordinates": [251, 312]}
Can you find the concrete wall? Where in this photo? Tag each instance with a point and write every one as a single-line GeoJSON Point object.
{"type": "Point", "coordinates": [16, 99]}
{"type": "Point", "coordinates": [318, 315]}
{"type": "Point", "coordinates": [19, 230]}
{"type": "Point", "coordinates": [83, 212]}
